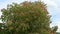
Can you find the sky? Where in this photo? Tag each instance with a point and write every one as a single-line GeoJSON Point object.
{"type": "Point", "coordinates": [53, 8]}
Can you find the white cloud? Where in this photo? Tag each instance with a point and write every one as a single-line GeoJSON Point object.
{"type": "Point", "coordinates": [50, 3]}
{"type": "Point", "coordinates": [56, 22]}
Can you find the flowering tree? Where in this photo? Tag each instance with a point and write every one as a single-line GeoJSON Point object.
{"type": "Point", "coordinates": [27, 18]}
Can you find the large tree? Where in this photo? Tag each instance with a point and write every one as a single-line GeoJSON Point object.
{"type": "Point", "coordinates": [27, 18]}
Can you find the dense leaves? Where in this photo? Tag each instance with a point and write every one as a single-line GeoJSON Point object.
{"type": "Point", "coordinates": [26, 18]}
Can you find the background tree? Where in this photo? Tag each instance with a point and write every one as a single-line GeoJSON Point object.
{"type": "Point", "coordinates": [27, 18]}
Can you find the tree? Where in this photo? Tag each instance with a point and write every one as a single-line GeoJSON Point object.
{"type": "Point", "coordinates": [54, 29]}
{"type": "Point", "coordinates": [27, 18]}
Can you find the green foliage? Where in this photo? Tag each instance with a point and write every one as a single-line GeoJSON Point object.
{"type": "Point", "coordinates": [26, 18]}
{"type": "Point", "coordinates": [55, 28]}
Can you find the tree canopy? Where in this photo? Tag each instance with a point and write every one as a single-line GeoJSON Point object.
{"type": "Point", "coordinates": [27, 18]}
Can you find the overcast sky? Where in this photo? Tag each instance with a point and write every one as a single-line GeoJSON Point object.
{"type": "Point", "coordinates": [53, 6]}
